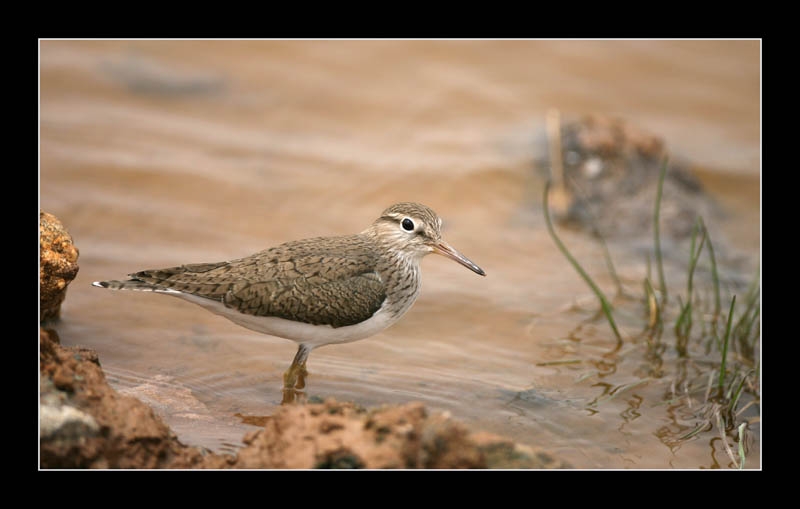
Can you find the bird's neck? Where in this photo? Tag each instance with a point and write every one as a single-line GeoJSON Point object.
{"type": "Point", "coordinates": [399, 271]}
{"type": "Point", "coordinates": [402, 277]}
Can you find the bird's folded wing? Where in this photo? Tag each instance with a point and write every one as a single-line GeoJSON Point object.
{"type": "Point", "coordinates": [323, 288]}
{"type": "Point", "coordinates": [311, 299]}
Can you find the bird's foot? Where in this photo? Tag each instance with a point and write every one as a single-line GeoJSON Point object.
{"type": "Point", "coordinates": [293, 397]}
{"type": "Point", "coordinates": [294, 384]}
{"type": "Point", "coordinates": [302, 373]}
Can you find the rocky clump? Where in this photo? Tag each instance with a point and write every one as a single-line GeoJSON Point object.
{"type": "Point", "coordinates": [342, 435]}
{"type": "Point", "coordinates": [58, 259]}
{"type": "Point", "coordinates": [610, 176]}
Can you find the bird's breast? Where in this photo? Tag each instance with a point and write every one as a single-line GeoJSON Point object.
{"type": "Point", "coordinates": [403, 284]}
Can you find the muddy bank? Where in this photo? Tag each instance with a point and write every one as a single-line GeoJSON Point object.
{"type": "Point", "coordinates": [84, 423]}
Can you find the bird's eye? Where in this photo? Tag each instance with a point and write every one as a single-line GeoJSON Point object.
{"type": "Point", "coordinates": [408, 224]}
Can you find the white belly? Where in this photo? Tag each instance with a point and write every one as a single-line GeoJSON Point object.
{"type": "Point", "coordinates": [307, 334]}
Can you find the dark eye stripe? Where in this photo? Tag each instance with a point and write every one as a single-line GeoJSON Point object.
{"type": "Point", "coordinates": [408, 224]}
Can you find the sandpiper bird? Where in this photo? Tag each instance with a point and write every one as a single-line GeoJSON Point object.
{"type": "Point", "coordinates": [315, 291]}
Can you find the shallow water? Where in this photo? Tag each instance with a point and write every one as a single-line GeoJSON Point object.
{"type": "Point", "coordinates": [155, 154]}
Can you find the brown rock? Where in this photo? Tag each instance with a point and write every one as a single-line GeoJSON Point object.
{"type": "Point", "coordinates": [342, 435]}
{"type": "Point", "coordinates": [58, 258]}
{"type": "Point", "coordinates": [613, 137]}
{"type": "Point", "coordinates": [609, 179]}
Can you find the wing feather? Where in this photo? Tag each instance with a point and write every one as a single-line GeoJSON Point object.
{"type": "Point", "coordinates": [324, 281]}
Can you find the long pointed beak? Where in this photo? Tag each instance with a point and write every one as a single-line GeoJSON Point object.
{"type": "Point", "coordinates": [443, 248]}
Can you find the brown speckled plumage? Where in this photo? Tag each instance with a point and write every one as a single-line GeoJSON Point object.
{"type": "Point", "coordinates": [323, 281]}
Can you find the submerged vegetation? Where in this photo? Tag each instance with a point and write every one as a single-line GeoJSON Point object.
{"type": "Point", "coordinates": [700, 328]}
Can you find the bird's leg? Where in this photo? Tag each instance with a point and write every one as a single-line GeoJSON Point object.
{"type": "Point", "coordinates": [302, 373]}
{"type": "Point", "coordinates": [294, 380]}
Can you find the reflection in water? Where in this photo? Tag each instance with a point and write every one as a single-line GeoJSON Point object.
{"type": "Point", "coordinates": [630, 413]}
{"type": "Point", "coordinates": [678, 377]}
{"type": "Point", "coordinates": [236, 146]}
{"type": "Point", "coordinates": [291, 395]}
{"type": "Point", "coordinates": [253, 420]}
{"type": "Point", "coordinates": [652, 367]}
{"type": "Point", "coordinates": [714, 445]}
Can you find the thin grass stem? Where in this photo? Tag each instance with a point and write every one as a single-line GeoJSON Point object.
{"type": "Point", "coordinates": [561, 247]}
{"type": "Point", "coordinates": [657, 233]}
{"type": "Point", "coordinates": [725, 348]}
{"type": "Point", "coordinates": [738, 392]}
{"type": "Point", "coordinates": [714, 274]}
{"type": "Point", "coordinates": [596, 230]}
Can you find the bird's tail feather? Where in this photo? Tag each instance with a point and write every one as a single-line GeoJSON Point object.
{"type": "Point", "coordinates": [139, 286]}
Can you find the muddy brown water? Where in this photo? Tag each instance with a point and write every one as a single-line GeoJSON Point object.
{"type": "Point", "coordinates": [159, 153]}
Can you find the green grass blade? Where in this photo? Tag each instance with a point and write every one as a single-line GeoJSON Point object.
{"type": "Point", "coordinates": [596, 230]}
{"type": "Point", "coordinates": [657, 232]}
{"type": "Point", "coordinates": [561, 247]}
{"type": "Point", "coordinates": [729, 394]}
{"type": "Point", "coordinates": [694, 256]}
{"type": "Point", "coordinates": [683, 325]}
{"type": "Point", "coordinates": [725, 348]}
{"type": "Point", "coordinates": [714, 274]}
{"type": "Point", "coordinates": [738, 392]}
